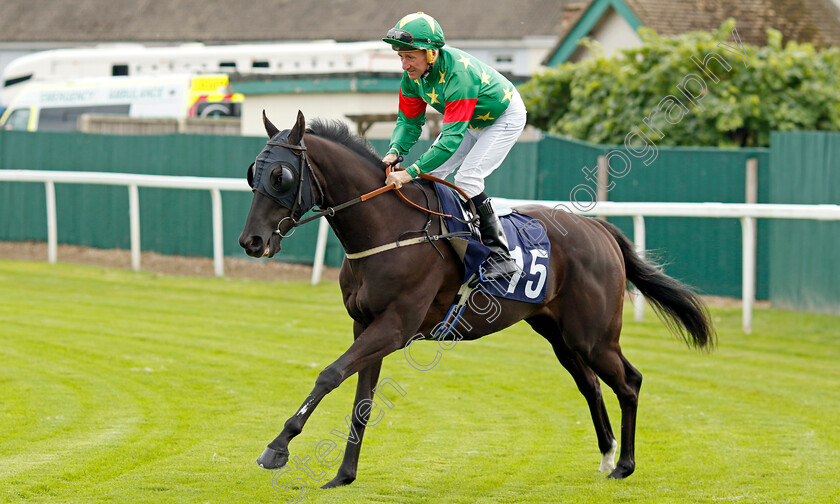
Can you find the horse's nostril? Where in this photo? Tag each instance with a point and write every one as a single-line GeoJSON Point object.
{"type": "Point", "coordinates": [252, 245]}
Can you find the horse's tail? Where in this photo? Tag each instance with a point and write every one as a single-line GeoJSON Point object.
{"type": "Point", "coordinates": [682, 311]}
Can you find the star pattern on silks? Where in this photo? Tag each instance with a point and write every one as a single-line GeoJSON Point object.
{"type": "Point", "coordinates": [508, 94]}
{"type": "Point", "coordinates": [466, 61]}
{"type": "Point", "coordinates": [442, 78]}
{"type": "Point", "coordinates": [433, 97]}
{"type": "Point", "coordinates": [485, 79]}
{"type": "Point", "coordinates": [485, 117]}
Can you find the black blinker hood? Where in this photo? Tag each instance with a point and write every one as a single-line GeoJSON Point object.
{"type": "Point", "coordinates": [274, 155]}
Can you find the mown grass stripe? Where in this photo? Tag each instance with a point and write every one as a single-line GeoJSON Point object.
{"type": "Point", "coordinates": [125, 387]}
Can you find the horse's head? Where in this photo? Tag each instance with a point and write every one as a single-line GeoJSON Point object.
{"type": "Point", "coordinates": [280, 179]}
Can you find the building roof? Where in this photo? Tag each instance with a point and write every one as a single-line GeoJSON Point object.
{"type": "Point", "coordinates": [173, 21]}
{"type": "Point", "coordinates": [814, 21]}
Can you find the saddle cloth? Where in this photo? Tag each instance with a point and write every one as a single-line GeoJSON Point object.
{"type": "Point", "coordinates": [527, 240]}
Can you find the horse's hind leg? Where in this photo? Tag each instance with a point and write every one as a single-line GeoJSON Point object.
{"type": "Point", "coordinates": [588, 384]}
{"type": "Point", "coordinates": [626, 381]}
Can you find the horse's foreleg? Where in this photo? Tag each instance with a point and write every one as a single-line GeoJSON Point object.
{"type": "Point", "coordinates": [368, 378]}
{"type": "Point", "coordinates": [382, 337]}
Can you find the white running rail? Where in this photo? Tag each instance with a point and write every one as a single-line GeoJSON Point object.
{"type": "Point", "coordinates": [746, 212]}
{"type": "Point", "coordinates": [132, 182]}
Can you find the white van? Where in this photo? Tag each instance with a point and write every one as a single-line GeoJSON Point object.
{"type": "Point", "coordinates": [56, 106]}
{"type": "Point", "coordinates": [324, 57]}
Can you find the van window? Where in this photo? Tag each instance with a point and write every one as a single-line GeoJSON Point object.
{"type": "Point", "coordinates": [18, 120]}
{"type": "Point", "coordinates": [17, 80]}
{"type": "Point", "coordinates": [119, 70]}
{"type": "Point", "coordinates": [218, 109]}
{"type": "Point", "coordinates": [66, 118]}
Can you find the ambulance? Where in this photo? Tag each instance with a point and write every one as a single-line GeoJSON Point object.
{"type": "Point", "coordinates": [56, 106]}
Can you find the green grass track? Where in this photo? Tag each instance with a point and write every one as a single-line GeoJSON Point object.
{"type": "Point", "coordinates": [140, 388]}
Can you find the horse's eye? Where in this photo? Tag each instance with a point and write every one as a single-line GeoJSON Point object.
{"type": "Point", "coordinates": [250, 175]}
{"type": "Point", "coordinates": [282, 179]}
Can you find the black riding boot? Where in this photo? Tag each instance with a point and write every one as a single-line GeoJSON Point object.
{"type": "Point", "coordinates": [499, 264]}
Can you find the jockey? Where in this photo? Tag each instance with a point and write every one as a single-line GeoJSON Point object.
{"type": "Point", "coordinates": [483, 116]}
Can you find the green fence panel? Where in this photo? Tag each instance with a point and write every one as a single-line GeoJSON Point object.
{"type": "Point", "coordinates": [23, 204]}
{"type": "Point", "coordinates": [23, 212]}
{"type": "Point", "coordinates": [172, 221]}
{"type": "Point", "coordinates": [705, 253]}
{"type": "Point", "coordinates": [561, 162]}
{"type": "Point", "coordinates": [804, 271]}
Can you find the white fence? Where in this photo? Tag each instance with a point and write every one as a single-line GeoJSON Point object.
{"type": "Point", "coordinates": [747, 213]}
{"type": "Point", "coordinates": [132, 182]}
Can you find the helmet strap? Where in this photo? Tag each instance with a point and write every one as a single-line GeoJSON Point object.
{"type": "Point", "coordinates": [432, 55]}
{"type": "Point", "coordinates": [430, 59]}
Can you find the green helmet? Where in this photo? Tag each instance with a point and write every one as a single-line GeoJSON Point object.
{"type": "Point", "coordinates": [415, 32]}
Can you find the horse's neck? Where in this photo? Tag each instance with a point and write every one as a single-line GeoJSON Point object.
{"type": "Point", "coordinates": [344, 177]}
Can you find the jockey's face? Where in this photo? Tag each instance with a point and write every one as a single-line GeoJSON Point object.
{"type": "Point", "coordinates": [414, 62]}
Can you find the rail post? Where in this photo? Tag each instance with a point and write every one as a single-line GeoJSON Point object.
{"type": "Point", "coordinates": [52, 224]}
{"type": "Point", "coordinates": [320, 251]}
{"type": "Point", "coordinates": [218, 243]}
{"type": "Point", "coordinates": [748, 275]}
{"type": "Point", "coordinates": [134, 225]}
{"type": "Point", "coordinates": [639, 241]}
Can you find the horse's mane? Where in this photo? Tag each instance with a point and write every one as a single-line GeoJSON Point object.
{"type": "Point", "coordinates": [338, 132]}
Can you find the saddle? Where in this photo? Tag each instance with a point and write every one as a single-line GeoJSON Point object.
{"type": "Point", "coordinates": [526, 237]}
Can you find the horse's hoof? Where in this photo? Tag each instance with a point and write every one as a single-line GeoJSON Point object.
{"type": "Point", "coordinates": [273, 459]}
{"type": "Point", "coordinates": [622, 470]}
{"type": "Point", "coordinates": [338, 481]}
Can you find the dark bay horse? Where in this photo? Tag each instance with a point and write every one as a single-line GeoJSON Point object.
{"type": "Point", "coordinates": [402, 292]}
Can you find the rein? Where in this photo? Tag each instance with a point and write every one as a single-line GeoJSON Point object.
{"type": "Point", "coordinates": [300, 151]}
{"type": "Point", "coordinates": [330, 211]}
{"type": "Point", "coordinates": [415, 205]}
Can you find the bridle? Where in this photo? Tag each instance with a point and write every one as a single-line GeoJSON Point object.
{"type": "Point", "coordinates": [300, 151]}
{"type": "Point", "coordinates": [283, 175]}
{"type": "Point", "coordinates": [299, 203]}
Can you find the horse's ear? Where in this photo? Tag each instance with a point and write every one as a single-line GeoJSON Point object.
{"type": "Point", "coordinates": [298, 130]}
{"type": "Point", "coordinates": [269, 128]}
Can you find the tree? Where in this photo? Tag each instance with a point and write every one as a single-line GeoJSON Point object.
{"type": "Point", "coordinates": [771, 88]}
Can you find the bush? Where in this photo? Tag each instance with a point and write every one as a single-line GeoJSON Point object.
{"type": "Point", "coordinates": [601, 100]}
